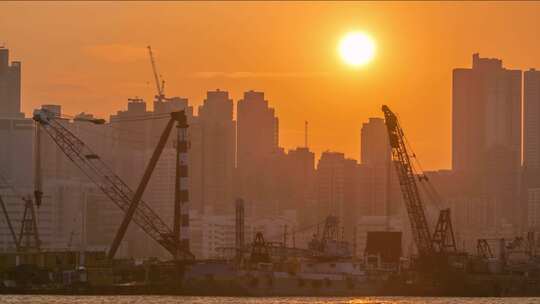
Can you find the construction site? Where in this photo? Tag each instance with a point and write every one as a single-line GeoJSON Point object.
{"type": "Point", "coordinates": [285, 152]}
{"type": "Point", "coordinates": [327, 267]}
{"type": "Point", "coordinates": [329, 262]}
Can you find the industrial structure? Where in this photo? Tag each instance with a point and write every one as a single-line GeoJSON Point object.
{"type": "Point", "coordinates": [328, 266]}
{"type": "Point", "coordinates": [28, 238]}
{"type": "Point", "coordinates": [430, 247]}
{"type": "Point", "coordinates": [246, 245]}
{"type": "Point", "coordinates": [117, 190]}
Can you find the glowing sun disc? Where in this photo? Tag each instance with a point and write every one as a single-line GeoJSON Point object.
{"type": "Point", "coordinates": [357, 49]}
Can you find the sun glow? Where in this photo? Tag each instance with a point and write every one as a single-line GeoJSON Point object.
{"type": "Point", "coordinates": [357, 49]}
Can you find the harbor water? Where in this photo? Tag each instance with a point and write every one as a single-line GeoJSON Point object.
{"type": "Point", "coordinates": [38, 299]}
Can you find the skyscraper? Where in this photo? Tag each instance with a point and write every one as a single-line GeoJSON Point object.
{"type": "Point", "coordinates": [531, 103]}
{"type": "Point", "coordinates": [10, 86]}
{"type": "Point", "coordinates": [531, 147]}
{"type": "Point", "coordinates": [257, 130]}
{"type": "Point", "coordinates": [257, 146]}
{"type": "Point", "coordinates": [136, 135]}
{"type": "Point", "coordinates": [378, 181]}
{"type": "Point", "coordinates": [336, 189]}
{"type": "Point", "coordinates": [486, 131]}
{"type": "Point", "coordinates": [374, 146]}
{"type": "Point", "coordinates": [301, 176]}
{"type": "Point", "coordinates": [218, 143]}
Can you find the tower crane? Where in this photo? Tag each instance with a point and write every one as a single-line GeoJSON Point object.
{"type": "Point", "coordinates": [160, 83]}
{"type": "Point", "coordinates": [429, 246]}
{"type": "Point", "coordinates": [113, 186]}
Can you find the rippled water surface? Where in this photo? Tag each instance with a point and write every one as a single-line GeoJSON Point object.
{"type": "Point", "coordinates": [232, 300]}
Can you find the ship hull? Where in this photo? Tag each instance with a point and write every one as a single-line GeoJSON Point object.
{"type": "Point", "coordinates": [259, 283]}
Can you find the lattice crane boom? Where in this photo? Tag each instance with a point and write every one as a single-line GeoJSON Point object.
{"type": "Point", "coordinates": [110, 183]}
{"type": "Point", "coordinates": [409, 188]}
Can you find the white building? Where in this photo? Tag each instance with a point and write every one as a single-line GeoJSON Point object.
{"type": "Point", "coordinates": [210, 232]}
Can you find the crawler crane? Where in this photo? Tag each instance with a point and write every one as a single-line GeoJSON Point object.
{"type": "Point", "coordinates": [433, 249]}
{"type": "Point", "coordinates": [114, 187]}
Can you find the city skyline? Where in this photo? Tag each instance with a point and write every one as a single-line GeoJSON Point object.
{"type": "Point", "coordinates": [243, 158]}
{"type": "Point", "coordinates": [87, 75]}
{"type": "Point", "coordinates": [275, 150]}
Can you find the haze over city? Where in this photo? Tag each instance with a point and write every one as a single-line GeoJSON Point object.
{"type": "Point", "coordinates": [269, 149]}
{"type": "Point", "coordinates": [288, 50]}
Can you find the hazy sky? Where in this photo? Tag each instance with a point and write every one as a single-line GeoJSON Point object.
{"type": "Point", "coordinates": [91, 57]}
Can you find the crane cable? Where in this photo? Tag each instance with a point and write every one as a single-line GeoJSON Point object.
{"type": "Point", "coordinates": [88, 130]}
{"type": "Point", "coordinates": [428, 188]}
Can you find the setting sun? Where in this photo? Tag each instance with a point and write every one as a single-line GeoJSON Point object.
{"type": "Point", "coordinates": [357, 49]}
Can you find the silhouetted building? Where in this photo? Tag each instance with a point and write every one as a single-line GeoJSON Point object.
{"type": "Point", "coordinates": [10, 86]}
{"type": "Point", "coordinates": [301, 177]}
{"type": "Point", "coordinates": [136, 132]}
{"type": "Point", "coordinates": [132, 130]}
{"type": "Point", "coordinates": [69, 194]}
{"type": "Point", "coordinates": [218, 145]}
{"type": "Point", "coordinates": [336, 188]}
{"type": "Point", "coordinates": [16, 166]}
{"type": "Point", "coordinates": [16, 136]}
{"type": "Point", "coordinates": [486, 132]}
{"type": "Point", "coordinates": [161, 187]}
{"type": "Point", "coordinates": [258, 130]}
{"type": "Point", "coordinates": [531, 103]}
{"type": "Point", "coordinates": [374, 146]}
{"type": "Point", "coordinates": [257, 146]}
{"type": "Point", "coordinates": [377, 174]}
{"type": "Point", "coordinates": [531, 147]}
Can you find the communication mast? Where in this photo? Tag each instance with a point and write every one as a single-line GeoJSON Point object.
{"type": "Point", "coordinates": [306, 134]}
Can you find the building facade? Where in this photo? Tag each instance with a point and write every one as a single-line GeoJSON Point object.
{"type": "Point", "coordinates": [377, 174]}
{"type": "Point", "coordinates": [486, 132]}
{"type": "Point", "coordinates": [217, 150]}
{"type": "Point", "coordinates": [336, 189]}
{"type": "Point", "coordinates": [257, 147]}
{"type": "Point", "coordinates": [10, 86]}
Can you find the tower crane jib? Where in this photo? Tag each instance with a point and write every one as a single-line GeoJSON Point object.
{"type": "Point", "coordinates": [160, 83]}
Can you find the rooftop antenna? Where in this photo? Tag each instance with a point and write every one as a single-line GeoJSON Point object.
{"type": "Point", "coordinates": [306, 134]}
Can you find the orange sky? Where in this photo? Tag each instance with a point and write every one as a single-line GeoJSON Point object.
{"type": "Point", "coordinates": [91, 57]}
